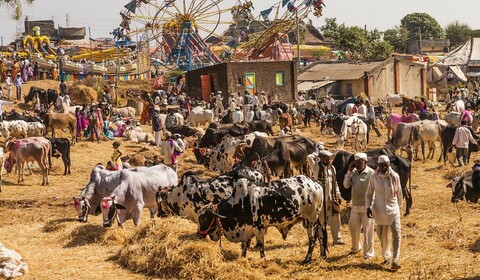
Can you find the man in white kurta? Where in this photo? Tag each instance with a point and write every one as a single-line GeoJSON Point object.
{"type": "Point", "coordinates": [384, 195]}
{"type": "Point", "coordinates": [237, 115]}
{"type": "Point", "coordinates": [357, 178]}
{"type": "Point", "coordinates": [262, 100]}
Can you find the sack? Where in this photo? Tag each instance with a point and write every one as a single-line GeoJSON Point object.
{"type": "Point", "coordinates": [336, 207]}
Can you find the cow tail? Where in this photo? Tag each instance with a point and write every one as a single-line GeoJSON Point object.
{"type": "Point", "coordinates": [324, 224]}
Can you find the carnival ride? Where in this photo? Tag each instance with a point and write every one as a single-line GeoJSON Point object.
{"type": "Point", "coordinates": [178, 30]}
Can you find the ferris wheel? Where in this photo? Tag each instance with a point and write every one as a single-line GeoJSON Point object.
{"type": "Point", "coordinates": [175, 31]}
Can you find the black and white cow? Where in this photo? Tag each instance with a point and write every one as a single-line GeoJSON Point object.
{"type": "Point", "coordinates": [252, 208]}
{"type": "Point", "coordinates": [466, 187]}
{"type": "Point", "coordinates": [193, 193]}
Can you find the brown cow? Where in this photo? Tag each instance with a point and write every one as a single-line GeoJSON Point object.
{"type": "Point", "coordinates": [286, 120]}
{"type": "Point", "coordinates": [61, 121]}
{"type": "Point", "coordinates": [29, 150]}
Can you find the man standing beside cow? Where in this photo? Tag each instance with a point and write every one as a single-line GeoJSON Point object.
{"type": "Point", "coordinates": [383, 200]}
{"type": "Point", "coordinates": [170, 151]}
{"type": "Point", "coordinates": [358, 178]}
{"type": "Point", "coordinates": [157, 127]}
{"type": "Point", "coordinates": [327, 177]}
{"type": "Point", "coordinates": [460, 142]}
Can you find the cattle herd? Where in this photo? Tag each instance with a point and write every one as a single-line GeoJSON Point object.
{"type": "Point", "coordinates": [245, 200]}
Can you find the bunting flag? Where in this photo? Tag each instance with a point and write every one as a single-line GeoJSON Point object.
{"type": "Point", "coordinates": [132, 6]}
{"type": "Point", "coordinates": [285, 2]}
{"type": "Point", "coordinates": [265, 13]}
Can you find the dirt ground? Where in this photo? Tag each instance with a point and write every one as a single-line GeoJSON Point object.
{"type": "Point", "coordinates": [39, 223]}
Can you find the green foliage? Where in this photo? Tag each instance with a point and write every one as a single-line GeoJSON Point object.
{"type": "Point", "coordinates": [15, 7]}
{"type": "Point", "coordinates": [429, 26]}
{"type": "Point", "coordinates": [397, 37]}
{"type": "Point", "coordinates": [458, 33]}
{"type": "Point", "coordinates": [475, 33]}
{"type": "Point", "coordinates": [357, 43]}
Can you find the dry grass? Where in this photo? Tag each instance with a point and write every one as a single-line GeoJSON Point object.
{"type": "Point", "coordinates": [81, 94]}
{"type": "Point", "coordinates": [38, 222]}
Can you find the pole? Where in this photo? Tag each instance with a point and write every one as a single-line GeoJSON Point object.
{"type": "Point", "coordinates": [118, 73]}
{"type": "Point", "coordinates": [298, 39]}
{"type": "Point", "coordinates": [420, 36]}
{"type": "Point", "coordinates": [2, 41]}
{"type": "Point", "coordinates": [91, 53]}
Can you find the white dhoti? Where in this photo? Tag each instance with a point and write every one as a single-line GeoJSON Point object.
{"type": "Point", "coordinates": [359, 220]}
{"type": "Point", "coordinates": [158, 137]}
{"type": "Point", "coordinates": [387, 233]}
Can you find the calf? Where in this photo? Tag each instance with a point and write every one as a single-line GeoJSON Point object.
{"type": "Point", "coordinates": [60, 121]}
{"type": "Point", "coordinates": [17, 129]}
{"type": "Point", "coordinates": [252, 208]}
{"type": "Point", "coordinates": [61, 148]}
{"type": "Point", "coordinates": [466, 187]}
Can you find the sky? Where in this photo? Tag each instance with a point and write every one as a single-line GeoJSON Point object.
{"type": "Point", "coordinates": [103, 15]}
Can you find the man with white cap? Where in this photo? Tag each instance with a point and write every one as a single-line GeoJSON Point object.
{"type": "Point", "coordinates": [170, 151]}
{"type": "Point", "coordinates": [8, 83]}
{"type": "Point", "coordinates": [262, 100]}
{"type": "Point", "coordinates": [327, 177]}
{"type": "Point", "coordinates": [237, 115]}
{"type": "Point", "coordinates": [384, 194]}
{"type": "Point", "coordinates": [357, 178]}
{"type": "Point", "coordinates": [284, 132]}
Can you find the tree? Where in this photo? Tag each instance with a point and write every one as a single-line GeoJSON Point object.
{"type": "Point", "coordinates": [355, 41]}
{"type": "Point", "coordinates": [428, 26]}
{"type": "Point", "coordinates": [458, 33]}
{"type": "Point", "coordinates": [475, 33]}
{"type": "Point", "coordinates": [15, 7]}
{"type": "Point", "coordinates": [397, 37]}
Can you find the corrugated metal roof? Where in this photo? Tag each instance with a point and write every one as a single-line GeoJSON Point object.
{"type": "Point", "coordinates": [304, 86]}
{"type": "Point", "coordinates": [338, 71]}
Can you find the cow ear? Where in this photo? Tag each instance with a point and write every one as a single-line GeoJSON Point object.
{"type": "Point", "coordinates": [120, 206]}
{"type": "Point", "coordinates": [98, 210]}
{"type": "Point", "coordinates": [74, 198]}
{"type": "Point", "coordinates": [449, 185]}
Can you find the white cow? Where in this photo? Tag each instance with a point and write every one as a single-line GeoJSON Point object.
{"type": "Point", "coordinates": [394, 99]}
{"type": "Point", "coordinates": [135, 192]}
{"type": "Point", "coordinates": [36, 129]}
{"type": "Point", "coordinates": [349, 109]}
{"type": "Point", "coordinates": [125, 111]}
{"type": "Point", "coordinates": [197, 116]}
{"type": "Point", "coordinates": [359, 135]}
{"type": "Point", "coordinates": [138, 137]}
{"type": "Point", "coordinates": [346, 130]}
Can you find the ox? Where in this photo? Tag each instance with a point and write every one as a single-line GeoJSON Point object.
{"type": "Point", "coordinates": [253, 208]}
{"type": "Point", "coordinates": [466, 187]}
{"type": "Point", "coordinates": [13, 116]}
{"type": "Point", "coordinates": [28, 150]}
{"type": "Point", "coordinates": [394, 99]}
{"type": "Point", "coordinates": [138, 137]}
{"type": "Point", "coordinates": [125, 111]}
{"type": "Point", "coordinates": [285, 155]}
{"type": "Point", "coordinates": [187, 131]}
{"type": "Point", "coordinates": [18, 129]}
{"type": "Point", "coordinates": [393, 119]}
{"type": "Point", "coordinates": [200, 116]}
{"type": "Point", "coordinates": [60, 121]}
{"type": "Point", "coordinates": [192, 193]}
{"type": "Point", "coordinates": [137, 190]}
{"type": "Point", "coordinates": [47, 98]}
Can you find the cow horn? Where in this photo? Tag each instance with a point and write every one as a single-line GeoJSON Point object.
{"type": "Point", "coordinates": [218, 215]}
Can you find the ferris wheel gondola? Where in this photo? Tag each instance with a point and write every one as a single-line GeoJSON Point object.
{"type": "Point", "coordinates": [175, 32]}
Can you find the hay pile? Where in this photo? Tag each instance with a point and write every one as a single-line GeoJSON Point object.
{"type": "Point", "coordinates": [169, 248]}
{"type": "Point", "coordinates": [81, 94]}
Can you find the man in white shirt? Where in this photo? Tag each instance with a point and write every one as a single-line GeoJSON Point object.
{"type": "Point", "coordinates": [362, 109]}
{"type": "Point", "coordinates": [9, 85]}
{"type": "Point", "coordinates": [262, 100]}
{"type": "Point", "coordinates": [237, 115]}
{"type": "Point", "coordinates": [170, 151]}
{"type": "Point", "coordinates": [460, 142]}
{"type": "Point", "coordinates": [357, 178]}
{"type": "Point", "coordinates": [383, 200]}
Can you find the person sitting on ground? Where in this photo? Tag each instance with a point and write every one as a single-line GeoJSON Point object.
{"type": "Point", "coordinates": [285, 132]}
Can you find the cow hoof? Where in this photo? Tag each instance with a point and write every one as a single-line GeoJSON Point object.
{"type": "Point", "coordinates": [306, 261]}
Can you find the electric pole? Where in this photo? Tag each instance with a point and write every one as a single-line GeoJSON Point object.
{"type": "Point", "coordinates": [298, 39]}
{"type": "Point", "coordinates": [420, 36]}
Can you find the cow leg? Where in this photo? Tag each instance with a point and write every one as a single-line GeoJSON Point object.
{"type": "Point", "coordinates": [20, 170]}
{"type": "Point", "coordinates": [311, 243]}
{"type": "Point", "coordinates": [245, 245]}
{"type": "Point", "coordinates": [137, 214]}
{"type": "Point", "coordinates": [260, 236]}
